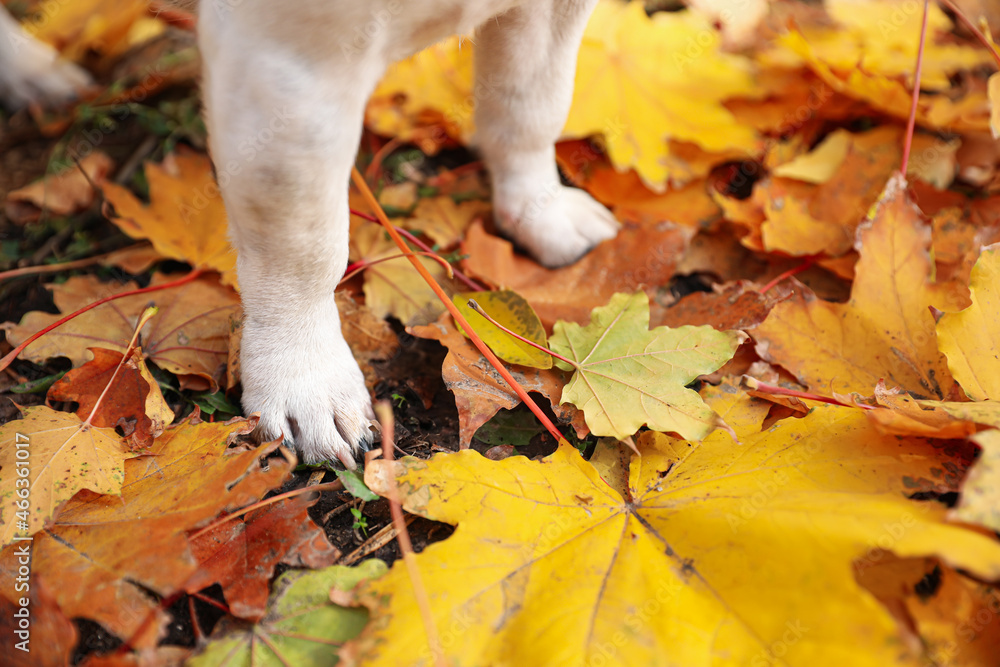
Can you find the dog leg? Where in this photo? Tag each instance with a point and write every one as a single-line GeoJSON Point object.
{"type": "Point", "coordinates": [525, 65]}
{"type": "Point", "coordinates": [284, 128]}
{"type": "Point", "coordinates": [31, 71]}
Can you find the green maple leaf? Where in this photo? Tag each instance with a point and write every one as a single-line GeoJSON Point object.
{"type": "Point", "coordinates": [627, 376]}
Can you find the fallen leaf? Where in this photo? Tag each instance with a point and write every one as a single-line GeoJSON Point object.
{"type": "Point", "coordinates": [189, 335]}
{"type": "Point", "coordinates": [438, 78]}
{"type": "Point", "coordinates": [669, 77]}
{"type": "Point", "coordinates": [688, 205]}
{"type": "Point", "coordinates": [945, 608]}
{"type": "Point", "coordinates": [121, 548]}
{"type": "Point", "coordinates": [241, 555]}
{"type": "Point", "coordinates": [185, 219]}
{"type": "Point", "coordinates": [969, 338]}
{"type": "Point", "coordinates": [659, 577]}
{"type": "Point", "coordinates": [512, 311]}
{"type": "Point", "coordinates": [885, 331]}
{"type": "Point", "coordinates": [626, 376]}
{"type": "Point", "coordinates": [480, 392]}
{"type": "Point", "coordinates": [302, 626]}
{"type": "Point", "coordinates": [68, 192]}
{"type": "Point", "coordinates": [738, 305]}
{"type": "Point", "coordinates": [994, 95]}
{"type": "Point", "coordinates": [131, 394]}
{"type": "Point", "coordinates": [444, 221]}
{"type": "Point", "coordinates": [37, 632]}
{"type": "Point", "coordinates": [393, 287]}
{"type": "Point", "coordinates": [980, 500]}
{"type": "Point", "coordinates": [572, 292]}
{"type": "Point", "coordinates": [370, 337]}
{"type": "Point", "coordinates": [56, 455]}
{"type": "Point", "coordinates": [77, 27]}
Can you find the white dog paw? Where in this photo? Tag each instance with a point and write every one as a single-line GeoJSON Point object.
{"type": "Point", "coordinates": [35, 73]}
{"type": "Point", "coordinates": [556, 224]}
{"type": "Point", "coordinates": [307, 386]}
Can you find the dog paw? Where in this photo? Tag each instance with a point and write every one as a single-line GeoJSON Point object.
{"type": "Point", "coordinates": [35, 73]}
{"type": "Point", "coordinates": [557, 225]}
{"type": "Point", "coordinates": [307, 386]}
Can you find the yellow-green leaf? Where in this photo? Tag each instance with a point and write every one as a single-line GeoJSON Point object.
{"type": "Point", "coordinates": [628, 376]}
{"type": "Point", "coordinates": [511, 310]}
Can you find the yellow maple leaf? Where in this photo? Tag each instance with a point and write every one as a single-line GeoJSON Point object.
{"type": "Point", "coordinates": [444, 221]}
{"type": "Point", "coordinates": [185, 220]}
{"type": "Point", "coordinates": [439, 78]}
{"type": "Point", "coordinates": [971, 338]}
{"type": "Point", "coordinates": [885, 331]}
{"type": "Point", "coordinates": [393, 287]}
{"type": "Point", "coordinates": [105, 26]}
{"type": "Point", "coordinates": [55, 455]}
{"type": "Point", "coordinates": [642, 80]}
{"type": "Point", "coordinates": [550, 565]}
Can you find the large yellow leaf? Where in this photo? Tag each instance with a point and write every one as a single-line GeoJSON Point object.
{"type": "Point", "coordinates": [47, 457]}
{"type": "Point", "coordinates": [981, 493]}
{"type": "Point", "coordinates": [883, 38]}
{"type": "Point", "coordinates": [642, 80]}
{"type": "Point", "coordinates": [971, 338]}
{"type": "Point", "coordinates": [723, 553]}
{"type": "Point", "coordinates": [185, 219]}
{"type": "Point", "coordinates": [627, 376]}
{"type": "Point", "coordinates": [885, 331]}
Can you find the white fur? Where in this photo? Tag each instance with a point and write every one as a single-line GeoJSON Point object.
{"type": "Point", "coordinates": [31, 71]}
{"type": "Point", "coordinates": [285, 86]}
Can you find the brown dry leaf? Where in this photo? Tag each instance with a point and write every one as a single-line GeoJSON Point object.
{"type": "Point", "coordinates": [189, 336]}
{"type": "Point", "coordinates": [444, 221]}
{"type": "Point", "coordinates": [953, 614]}
{"type": "Point", "coordinates": [241, 554]}
{"type": "Point", "coordinates": [479, 390]}
{"type": "Point", "coordinates": [626, 195]}
{"type": "Point", "coordinates": [63, 457]}
{"type": "Point", "coordinates": [185, 219]}
{"type": "Point", "coordinates": [394, 287]}
{"type": "Point", "coordinates": [639, 257]}
{"type": "Point", "coordinates": [885, 331]}
{"type": "Point", "coordinates": [738, 305]}
{"type": "Point", "coordinates": [65, 193]}
{"type": "Point", "coordinates": [133, 396]}
{"type": "Point", "coordinates": [369, 337]}
{"type": "Point", "coordinates": [101, 554]}
{"type": "Point", "coordinates": [49, 637]}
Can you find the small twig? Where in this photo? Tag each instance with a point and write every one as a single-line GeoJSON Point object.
{"type": "Point", "coordinates": [775, 390]}
{"type": "Point", "coordinates": [911, 122]}
{"type": "Point", "coordinates": [335, 485]}
{"type": "Point", "coordinates": [806, 264]}
{"type": "Point", "coordinates": [62, 266]}
{"type": "Point", "coordinates": [147, 314]}
{"type": "Point", "coordinates": [366, 192]}
{"type": "Point", "coordinates": [383, 537]}
{"type": "Point", "coordinates": [12, 355]}
{"type": "Point", "coordinates": [987, 42]}
{"type": "Point", "coordinates": [473, 285]}
{"type": "Point", "coordinates": [366, 264]}
{"type": "Point", "coordinates": [476, 307]}
{"type": "Point", "coordinates": [385, 416]}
